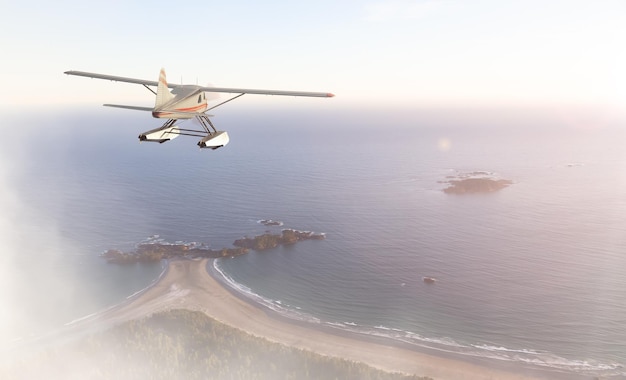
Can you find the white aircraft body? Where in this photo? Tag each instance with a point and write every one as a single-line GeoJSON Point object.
{"type": "Point", "coordinates": [186, 102]}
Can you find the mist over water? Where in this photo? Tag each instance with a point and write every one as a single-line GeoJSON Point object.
{"type": "Point", "coordinates": [533, 274]}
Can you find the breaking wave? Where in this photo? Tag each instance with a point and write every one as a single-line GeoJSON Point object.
{"type": "Point", "coordinates": [523, 356]}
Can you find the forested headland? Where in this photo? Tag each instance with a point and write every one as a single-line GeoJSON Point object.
{"type": "Point", "coordinates": [183, 344]}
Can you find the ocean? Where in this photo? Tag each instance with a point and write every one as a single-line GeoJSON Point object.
{"type": "Point", "coordinates": [534, 274]}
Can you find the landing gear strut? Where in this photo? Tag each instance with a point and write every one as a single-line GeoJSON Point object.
{"type": "Point", "coordinates": [214, 139]}
{"type": "Point", "coordinates": [206, 123]}
{"type": "Point", "coordinates": [211, 137]}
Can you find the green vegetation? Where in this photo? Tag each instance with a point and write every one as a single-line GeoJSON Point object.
{"type": "Point", "coordinates": [183, 344]}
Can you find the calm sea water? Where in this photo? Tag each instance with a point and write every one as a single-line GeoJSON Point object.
{"type": "Point", "coordinates": [534, 274]}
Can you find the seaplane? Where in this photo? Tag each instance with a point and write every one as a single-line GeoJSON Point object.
{"type": "Point", "coordinates": [186, 102]}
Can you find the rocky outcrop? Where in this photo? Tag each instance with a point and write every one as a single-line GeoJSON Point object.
{"type": "Point", "coordinates": [268, 240]}
{"type": "Point", "coordinates": [476, 185]}
{"type": "Point", "coordinates": [150, 252]}
{"type": "Point", "coordinates": [474, 182]}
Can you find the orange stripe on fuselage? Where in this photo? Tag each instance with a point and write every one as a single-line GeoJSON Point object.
{"type": "Point", "coordinates": [198, 108]}
{"type": "Point", "coordinates": [191, 109]}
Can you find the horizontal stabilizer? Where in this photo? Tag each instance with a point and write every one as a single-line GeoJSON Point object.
{"type": "Point", "coordinates": [136, 108]}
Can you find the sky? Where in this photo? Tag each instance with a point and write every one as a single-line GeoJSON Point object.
{"type": "Point", "coordinates": [372, 53]}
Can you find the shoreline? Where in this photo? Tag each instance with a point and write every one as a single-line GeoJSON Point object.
{"type": "Point", "coordinates": [507, 368]}
{"type": "Point", "coordinates": [194, 285]}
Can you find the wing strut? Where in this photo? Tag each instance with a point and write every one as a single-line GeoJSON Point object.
{"type": "Point", "coordinates": [226, 101]}
{"type": "Point", "coordinates": [149, 89]}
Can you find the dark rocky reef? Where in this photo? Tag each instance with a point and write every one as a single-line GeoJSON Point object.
{"type": "Point", "coordinates": [151, 252]}
{"type": "Point", "coordinates": [156, 252]}
{"type": "Point", "coordinates": [270, 222]}
{"type": "Point", "coordinates": [268, 240]}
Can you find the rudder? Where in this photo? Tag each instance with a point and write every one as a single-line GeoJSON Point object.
{"type": "Point", "coordinates": [163, 93]}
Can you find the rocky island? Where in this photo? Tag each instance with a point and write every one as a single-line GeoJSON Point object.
{"type": "Point", "coordinates": [150, 252]}
{"type": "Point", "coordinates": [473, 183]}
{"type": "Point", "coordinates": [268, 241]}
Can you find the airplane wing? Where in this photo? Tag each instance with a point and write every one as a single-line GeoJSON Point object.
{"type": "Point", "coordinates": [116, 78]}
{"type": "Point", "coordinates": [206, 89]}
{"type": "Point", "coordinates": [267, 92]}
{"type": "Point", "coordinates": [136, 108]}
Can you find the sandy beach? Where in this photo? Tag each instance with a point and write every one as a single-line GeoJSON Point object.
{"type": "Point", "coordinates": [186, 284]}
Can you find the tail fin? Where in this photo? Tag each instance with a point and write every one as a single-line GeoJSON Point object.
{"type": "Point", "coordinates": [163, 93]}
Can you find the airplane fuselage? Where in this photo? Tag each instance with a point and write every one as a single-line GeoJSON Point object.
{"type": "Point", "coordinates": [188, 101]}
